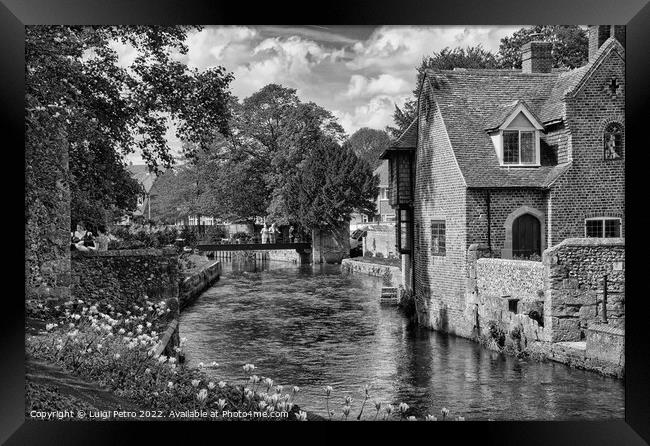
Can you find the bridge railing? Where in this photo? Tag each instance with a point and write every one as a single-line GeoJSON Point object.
{"type": "Point", "coordinates": [257, 239]}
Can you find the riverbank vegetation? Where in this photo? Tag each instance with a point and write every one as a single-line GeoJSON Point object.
{"type": "Point", "coordinates": [118, 351]}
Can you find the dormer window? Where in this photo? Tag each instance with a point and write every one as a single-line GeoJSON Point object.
{"type": "Point", "coordinates": [520, 147]}
{"type": "Point", "coordinates": [515, 133]}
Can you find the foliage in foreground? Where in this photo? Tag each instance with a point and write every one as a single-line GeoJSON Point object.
{"type": "Point", "coordinates": [118, 351]}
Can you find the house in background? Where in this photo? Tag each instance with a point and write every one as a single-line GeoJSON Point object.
{"type": "Point", "coordinates": [146, 178]}
{"type": "Point", "coordinates": [379, 228]}
{"type": "Point", "coordinates": [515, 160]}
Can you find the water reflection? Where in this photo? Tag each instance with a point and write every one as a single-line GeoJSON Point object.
{"type": "Point", "coordinates": [312, 327]}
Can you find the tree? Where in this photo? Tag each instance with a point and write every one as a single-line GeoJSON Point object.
{"type": "Point", "coordinates": [332, 183]}
{"type": "Point", "coordinates": [105, 111]}
{"type": "Point", "coordinates": [368, 144]}
{"type": "Point", "coordinates": [570, 47]}
{"type": "Point", "coordinates": [446, 59]}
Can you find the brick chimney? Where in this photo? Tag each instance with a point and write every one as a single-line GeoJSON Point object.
{"type": "Point", "coordinates": [598, 34]}
{"type": "Point", "coordinates": [536, 57]}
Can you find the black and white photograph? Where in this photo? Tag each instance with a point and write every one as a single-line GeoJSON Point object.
{"type": "Point", "coordinates": [329, 223]}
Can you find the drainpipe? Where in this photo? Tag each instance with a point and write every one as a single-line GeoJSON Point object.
{"type": "Point", "coordinates": [488, 201]}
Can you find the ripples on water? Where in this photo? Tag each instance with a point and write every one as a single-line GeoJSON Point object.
{"type": "Point", "coordinates": [310, 326]}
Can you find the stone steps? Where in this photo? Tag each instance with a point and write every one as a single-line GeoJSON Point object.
{"type": "Point", "coordinates": [389, 295]}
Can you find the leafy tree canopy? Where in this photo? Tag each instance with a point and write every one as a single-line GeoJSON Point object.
{"type": "Point", "coordinates": [331, 183]}
{"type": "Point", "coordinates": [570, 45]}
{"type": "Point", "coordinates": [106, 111]}
{"type": "Point", "coordinates": [368, 144]}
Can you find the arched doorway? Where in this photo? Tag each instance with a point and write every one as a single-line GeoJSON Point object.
{"type": "Point", "coordinates": [526, 236]}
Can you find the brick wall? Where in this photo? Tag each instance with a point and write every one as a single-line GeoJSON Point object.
{"type": "Point", "coordinates": [502, 203]}
{"type": "Point", "coordinates": [439, 280]}
{"type": "Point", "coordinates": [123, 277]}
{"type": "Point", "coordinates": [592, 187]}
{"type": "Point", "coordinates": [574, 285]}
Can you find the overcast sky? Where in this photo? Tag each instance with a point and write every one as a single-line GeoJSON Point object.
{"type": "Point", "coordinates": [358, 73]}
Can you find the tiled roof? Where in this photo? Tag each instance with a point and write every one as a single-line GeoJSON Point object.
{"type": "Point", "coordinates": [471, 101]}
{"type": "Point", "coordinates": [141, 173]}
{"type": "Point", "coordinates": [504, 111]}
{"type": "Point", "coordinates": [474, 100]}
{"type": "Point", "coordinates": [408, 139]}
{"type": "Point", "coordinates": [382, 171]}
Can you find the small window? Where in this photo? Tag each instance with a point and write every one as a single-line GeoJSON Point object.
{"type": "Point", "coordinates": [613, 141]}
{"type": "Point", "coordinates": [603, 227]}
{"type": "Point", "coordinates": [519, 147]}
{"type": "Point", "coordinates": [438, 239]}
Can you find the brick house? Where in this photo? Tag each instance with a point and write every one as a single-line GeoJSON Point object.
{"type": "Point", "coordinates": [515, 160]}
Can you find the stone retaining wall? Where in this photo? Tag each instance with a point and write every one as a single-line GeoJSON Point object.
{"type": "Point", "coordinates": [193, 286]}
{"type": "Point", "coordinates": [123, 277]}
{"type": "Point", "coordinates": [373, 269]}
{"type": "Point", "coordinates": [519, 279]}
{"type": "Point", "coordinates": [574, 285]}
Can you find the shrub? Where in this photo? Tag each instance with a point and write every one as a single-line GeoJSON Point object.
{"type": "Point", "coordinates": [379, 255]}
{"type": "Point", "coordinates": [367, 254]}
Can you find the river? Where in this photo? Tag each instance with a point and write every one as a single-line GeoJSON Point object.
{"type": "Point", "coordinates": [312, 327]}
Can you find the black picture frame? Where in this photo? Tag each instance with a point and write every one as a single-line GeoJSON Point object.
{"type": "Point", "coordinates": [635, 430]}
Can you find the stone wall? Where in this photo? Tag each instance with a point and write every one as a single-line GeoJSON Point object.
{"type": "Point", "coordinates": [122, 277]}
{"type": "Point", "coordinates": [331, 245]}
{"type": "Point", "coordinates": [358, 266]}
{"type": "Point", "coordinates": [574, 285]}
{"type": "Point", "coordinates": [47, 211]}
{"type": "Point", "coordinates": [520, 279]}
{"type": "Point", "coordinates": [193, 286]}
{"type": "Point", "coordinates": [606, 348]}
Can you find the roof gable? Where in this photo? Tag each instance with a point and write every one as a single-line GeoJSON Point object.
{"type": "Point", "coordinates": [507, 114]}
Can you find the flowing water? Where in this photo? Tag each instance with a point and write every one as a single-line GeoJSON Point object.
{"type": "Point", "coordinates": [312, 327]}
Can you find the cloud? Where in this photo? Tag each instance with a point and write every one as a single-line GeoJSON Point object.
{"type": "Point", "coordinates": [377, 113]}
{"type": "Point", "coordinates": [383, 84]}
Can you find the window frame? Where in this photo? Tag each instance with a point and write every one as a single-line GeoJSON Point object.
{"type": "Point", "coordinates": [603, 227]}
{"type": "Point", "coordinates": [536, 147]}
{"type": "Point", "coordinates": [442, 249]}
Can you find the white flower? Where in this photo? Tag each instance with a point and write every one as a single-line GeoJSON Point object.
{"type": "Point", "coordinates": [162, 358]}
{"type": "Point", "coordinates": [221, 384]}
{"type": "Point", "coordinates": [214, 364]}
{"type": "Point", "coordinates": [200, 365]}
{"type": "Point", "coordinates": [195, 382]}
{"type": "Point", "coordinates": [147, 371]}
{"type": "Point", "coordinates": [202, 395]}
{"type": "Point", "coordinates": [348, 399]}
{"type": "Point", "coordinates": [211, 385]}
{"type": "Point", "coordinates": [49, 327]}
{"type": "Point", "coordinates": [430, 418]}
{"type": "Point", "coordinates": [296, 389]}
{"type": "Point", "coordinates": [278, 388]}
{"type": "Point", "coordinates": [346, 410]}
{"type": "Point", "coordinates": [170, 385]}
{"type": "Point", "coordinates": [444, 411]}
{"type": "Point", "coordinates": [301, 415]}
{"type": "Point", "coordinates": [403, 407]}
{"type": "Point", "coordinates": [221, 403]}
{"type": "Point", "coordinates": [328, 390]}
{"type": "Point", "coordinates": [248, 368]}
{"type": "Point", "coordinates": [412, 418]}
{"type": "Point", "coordinates": [172, 360]}
{"type": "Point", "coordinates": [117, 356]}
{"type": "Point", "coordinates": [461, 419]}
{"type": "Point", "coordinates": [389, 408]}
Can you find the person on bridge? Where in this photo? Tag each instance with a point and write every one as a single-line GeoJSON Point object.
{"type": "Point", "coordinates": [265, 234]}
{"type": "Point", "coordinates": [273, 233]}
{"type": "Point", "coordinates": [291, 234]}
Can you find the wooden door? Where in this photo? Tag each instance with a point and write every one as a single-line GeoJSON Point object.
{"type": "Point", "coordinates": [526, 236]}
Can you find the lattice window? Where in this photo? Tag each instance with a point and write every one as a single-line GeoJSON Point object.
{"type": "Point", "coordinates": [603, 227]}
{"type": "Point", "coordinates": [438, 238]}
{"type": "Point", "coordinates": [519, 147]}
